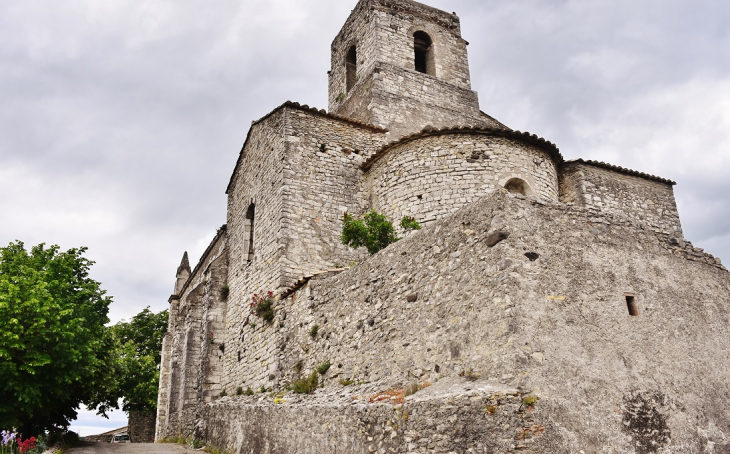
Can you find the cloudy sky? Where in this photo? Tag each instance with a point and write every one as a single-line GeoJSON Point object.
{"type": "Point", "coordinates": [120, 121]}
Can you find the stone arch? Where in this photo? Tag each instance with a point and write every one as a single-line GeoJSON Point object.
{"type": "Point", "coordinates": [351, 67]}
{"type": "Point", "coordinates": [518, 186]}
{"type": "Point", "coordinates": [424, 53]}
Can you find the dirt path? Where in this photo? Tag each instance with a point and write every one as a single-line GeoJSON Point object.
{"type": "Point", "coordinates": [132, 448]}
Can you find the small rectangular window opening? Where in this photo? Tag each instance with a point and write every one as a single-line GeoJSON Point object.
{"type": "Point", "coordinates": [631, 304]}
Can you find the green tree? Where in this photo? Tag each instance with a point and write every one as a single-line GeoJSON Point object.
{"type": "Point", "coordinates": [374, 231]}
{"type": "Point", "coordinates": [140, 347]}
{"type": "Point", "coordinates": [54, 346]}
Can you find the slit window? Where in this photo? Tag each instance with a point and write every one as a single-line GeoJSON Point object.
{"type": "Point", "coordinates": [248, 233]}
{"type": "Point", "coordinates": [631, 305]}
{"type": "Point", "coordinates": [423, 47]}
{"type": "Point", "coordinates": [351, 67]}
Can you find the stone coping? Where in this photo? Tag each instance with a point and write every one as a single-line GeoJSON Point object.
{"type": "Point", "coordinates": [221, 231]}
{"type": "Point", "coordinates": [619, 169]}
{"type": "Point", "coordinates": [525, 137]}
{"type": "Point", "coordinates": [303, 108]}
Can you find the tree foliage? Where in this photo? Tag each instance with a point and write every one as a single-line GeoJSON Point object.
{"type": "Point", "coordinates": [138, 346]}
{"type": "Point", "coordinates": [54, 346]}
{"type": "Point", "coordinates": [141, 347]}
{"type": "Point", "coordinates": [374, 231]}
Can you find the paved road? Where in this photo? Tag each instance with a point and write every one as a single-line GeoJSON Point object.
{"type": "Point", "coordinates": [128, 448]}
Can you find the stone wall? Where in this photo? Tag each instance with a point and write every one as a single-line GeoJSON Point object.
{"type": "Point", "coordinates": [389, 92]}
{"type": "Point", "coordinates": [609, 188]}
{"type": "Point", "coordinates": [191, 372]}
{"type": "Point", "coordinates": [544, 311]}
{"type": "Point", "coordinates": [141, 428]}
{"type": "Point", "coordinates": [322, 181]}
{"type": "Point", "coordinates": [258, 180]}
{"type": "Point", "coordinates": [434, 175]}
{"type": "Point", "coordinates": [453, 415]}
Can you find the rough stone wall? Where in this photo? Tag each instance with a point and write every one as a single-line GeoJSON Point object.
{"type": "Point", "coordinates": [545, 311]}
{"type": "Point", "coordinates": [389, 91]}
{"type": "Point", "coordinates": [322, 182]}
{"type": "Point", "coordinates": [258, 179]}
{"type": "Point", "coordinates": [453, 415]}
{"type": "Point", "coordinates": [433, 176]}
{"type": "Point", "coordinates": [647, 200]}
{"type": "Point", "coordinates": [141, 427]}
{"type": "Point", "coordinates": [194, 367]}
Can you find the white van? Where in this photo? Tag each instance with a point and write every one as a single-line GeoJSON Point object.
{"type": "Point", "coordinates": [121, 438]}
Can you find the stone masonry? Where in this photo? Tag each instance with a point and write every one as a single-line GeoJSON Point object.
{"type": "Point", "coordinates": [568, 282]}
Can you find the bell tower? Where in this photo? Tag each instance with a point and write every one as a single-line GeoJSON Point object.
{"type": "Point", "coordinates": [403, 65]}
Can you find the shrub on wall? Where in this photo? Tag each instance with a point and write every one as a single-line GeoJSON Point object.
{"type": "Point", "coordinates": [374, 231]}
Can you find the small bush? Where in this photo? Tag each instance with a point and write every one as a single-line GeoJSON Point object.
{"type": "Point", "coordinates": [313, 332]}
{"type": "Point", "coordinates": [324, 367]}
{"type": "Point", "coordinates": [374, 231]}
{"type": "Point", "coordinates": [248, 392]}
{"type": "Point", "coordinates": [305, 385]}
{"type": "Point", "coordinates": [224, 393]}
{"type": "Point", "coordinates": [530, 401]}
{"type": "Point", "coordinates": [239, 391]}
{"type": "Point", "coordinates": [262, 305]}
{"type": "Point", "coordinates": [409, 224]}
{"type": "Point", "coordinates": [196, 444]}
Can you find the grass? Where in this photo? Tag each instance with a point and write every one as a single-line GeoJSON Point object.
{"type": "Point", "coordinates": [248, 392]}
{"type": "Point", "coordinates": [469, 375]}
{"type": "Point", "coordinates": [313, 332]}
{"type": "Point", "coordinates": [345, 382]}
{"type": "Point", "coordinates": [324, 367]}
{"type": "Point", "coordinates": [239, 391]}
{"type": "Point", "coordinates": [530, 401]}
{"type": "Point", "coordinates": [306, 385]}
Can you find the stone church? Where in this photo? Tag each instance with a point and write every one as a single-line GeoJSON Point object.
{"type": "Point", "coordinates": [546, 305]}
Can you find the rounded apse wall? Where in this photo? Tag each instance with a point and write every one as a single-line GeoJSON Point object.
{"type": "Point", "coordinates": [435, 175]}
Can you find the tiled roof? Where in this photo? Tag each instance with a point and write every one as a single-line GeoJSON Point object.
{"type": "Point", "coordinates": [619, 169]}
{"type": "Point", "coordinates": [526, 137]}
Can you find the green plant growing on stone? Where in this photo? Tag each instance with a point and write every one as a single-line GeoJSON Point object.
{"type": "Point", "coordinates": [225, 291]}
{"type": "Point", "coordinates": [491, 409]}
{"type": "Point", "coordinates": [409, 224]}
{"type": "Point", "coordinates": [239, 391]}
{"type": "Point", "coordinates": [324, 367]}
{"type": "Point", "coordinates": [248, 392]}
{"type": "Point", "coordinates": [313, 332]}
{"type": "Point", "coordinates": [530, 401]}
{"type": "Point", "coordinates": [262, 306]}
{"type": "Point", "coordinates": [306, 385]}
{"type": "Point", "coordinates": [374, 231]}
{"type": "Point", "coordinates": [346, 382]}
{"type": "Point", "coordinates": [340, 97]}
{"type": "Point", "coordinates": [469, 375]}
{"type": "Point", "coordinates": [223, 393]}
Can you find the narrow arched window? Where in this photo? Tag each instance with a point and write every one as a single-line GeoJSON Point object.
{"type": "Point", "coordinates": [517, 186]}
{"type": "Point", "coordinates": [248, 232]}
{"type": "Point", "coordinates": [423, 46]}
{"type": "Point", "coordinates": [351, 66]}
